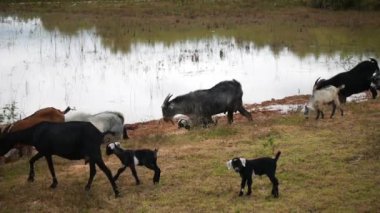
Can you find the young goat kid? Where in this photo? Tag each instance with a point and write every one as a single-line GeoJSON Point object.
{"type": "Point", "coordinates": [259, 166]}
{"type": "Point", "coordinates": [326, 95]}
{"type": "Point", "coordinates": [132, 158]}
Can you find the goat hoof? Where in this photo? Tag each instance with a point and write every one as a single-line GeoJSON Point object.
{"type": "Point", "coordinates": [30, 179]}
{"type": "Point", "coordinates": [240, 194]}
{"type": "Point", "coordinates": [117, 193]}
{"type": "Point", "coordinates": [248, 194]}
{"type": "Point", "coordinates": [87, 188]}
{"type": "Point", "coordinates": [53, 185]}
{"type": "Point", "coordinates": [138, 183]}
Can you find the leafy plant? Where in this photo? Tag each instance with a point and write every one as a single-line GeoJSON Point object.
{"type": "Point", "coordinates": [9, 113]}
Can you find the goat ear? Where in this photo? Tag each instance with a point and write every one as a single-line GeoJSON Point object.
{"type": "Point", "coordinates": [229, 164]}
{"type": "Point", "coordinates": [111, 146]}
{"type": "Point", "coordinates": [243, 161]}
{"type": "Point", "coordinates": [117, 143]}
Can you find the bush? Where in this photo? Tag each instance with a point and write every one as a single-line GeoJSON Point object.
{"type": "Point", "coordinates": [9, 113]}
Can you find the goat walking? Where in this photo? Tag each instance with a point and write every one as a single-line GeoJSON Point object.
{"type": "Point", "coordinates": [46, 114]}
{"type": "Point", "coordinates": [326, 95]}
{"type": "Point", "coordinates": [70, 140]}
{"type": "Point", "coordinates": [103, 121]}
{"type": "Point", "coordinates": [131, 158]}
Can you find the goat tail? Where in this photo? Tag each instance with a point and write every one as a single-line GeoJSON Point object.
{"type": "Point", "coordinates": [277, 156]}
{"type": "Point", "coordinates": [341, 87]}
{"type": "Point", "coordinates": [156, 153]}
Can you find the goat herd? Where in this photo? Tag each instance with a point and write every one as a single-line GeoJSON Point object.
{"type": "Point", "coordinates": [80, 135]}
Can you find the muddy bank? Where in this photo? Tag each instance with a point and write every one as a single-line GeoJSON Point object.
{"type": "Point", "coordinates": [259, 111]}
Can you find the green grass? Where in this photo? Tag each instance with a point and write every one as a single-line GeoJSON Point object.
{"type": "Point", "coordinates": [326, 165]}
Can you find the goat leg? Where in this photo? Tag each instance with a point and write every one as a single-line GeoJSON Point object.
{"type": "Point", "coordinates": [92, 174]}
{"type": "Point", "coordinates": [119, 172]}
{"type": "Point", "coordinates": [108, 173]}
{"type": "Point", "coordinates": [333, 110]}
{"type": "Point", "coordinates": [322, 114]}
{"type": "Point", "coordinates": [373, 91]}
{"type": "Point", "coordinates": [134, 173]}
{"type": "Point", "coordinates": [52, 172]}
{"type": "Point", "coordinates": [242, 185]}
{"type": "Point", "coordinates": [274, 181]}
{"type": "Point", "coordinates": [31, 166]}
{"type": "Point", "coordinates": [157, 172]}
{"type": "Point", "coordinates": [318, 111]}
{"type": "Point", "coordinates": [249, 185]}
{"type": "Point", "coordinates": [230, 116]}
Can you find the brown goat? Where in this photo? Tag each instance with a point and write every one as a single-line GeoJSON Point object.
{"type": "Point", "coordinates": [46, 114]}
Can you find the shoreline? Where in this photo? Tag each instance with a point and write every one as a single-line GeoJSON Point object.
{"type": "Point", "coordinates": [260, 111]}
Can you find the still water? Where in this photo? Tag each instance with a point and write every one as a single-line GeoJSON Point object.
{"type": "Point", "coordinates": [41, 68]}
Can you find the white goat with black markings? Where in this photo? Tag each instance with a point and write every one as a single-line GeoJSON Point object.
{"type": "Point", "coordinates": [323, 96]}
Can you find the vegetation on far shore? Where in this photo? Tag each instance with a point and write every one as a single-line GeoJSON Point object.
{"type": "Point", "coordinates": [323, 4]}
{"type": "Point", "coordinates": [279, 24]}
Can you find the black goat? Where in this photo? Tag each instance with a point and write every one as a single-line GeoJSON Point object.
{"type": "Point", "coordinates": [131, 158]}
{"type": "Point", "coordinates": [259, 166]}
{"type": "Point", "coordinates": [200, 105]}
{"type": "Point", "coordinates": [70, 140]}
{"type": "Point", "coordinates": [356, 80]}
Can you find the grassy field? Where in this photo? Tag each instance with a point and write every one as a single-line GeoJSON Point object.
{"type": "Point", "coordinates": [327, 165]}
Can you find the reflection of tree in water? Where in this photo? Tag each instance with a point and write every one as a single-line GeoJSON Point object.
{"type": "Point", "coordinates": [119, 34]}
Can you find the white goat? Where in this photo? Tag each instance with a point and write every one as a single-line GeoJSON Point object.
{"type": "Point", "coordinates": [104, 121]}
{"type": "Point", "coordinates": [326, 95]}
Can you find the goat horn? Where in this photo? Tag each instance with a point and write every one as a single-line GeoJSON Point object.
{"type": "Point", "coordinates": [167, 99]}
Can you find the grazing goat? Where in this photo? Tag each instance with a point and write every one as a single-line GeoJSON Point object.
{"type": "Point", "coordinates": [131, 158]}
{"type": "Point", "coordinates": [259, 166]}
{"type": "Point", "coordinates": [104, 121]}
{"type": "Point", "coordinates": [327, 95]}
{"type": "Point", "coordinates": [46, 114]}
{"type": "Point", "coordinates": [200, 105]}
{"type": "Point", "coordinates": [356, 80]}
{"type": "Point", "coordinates": [70, 140]}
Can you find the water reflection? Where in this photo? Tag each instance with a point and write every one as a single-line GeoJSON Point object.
{"type": "Point", "coordinates": [43, 68]}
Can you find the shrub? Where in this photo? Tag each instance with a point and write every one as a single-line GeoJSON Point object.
{"type": "Point", "coordinates": [9, 113]}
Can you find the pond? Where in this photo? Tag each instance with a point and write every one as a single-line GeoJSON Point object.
{"type": "Point", "coordinates": [43, 67]}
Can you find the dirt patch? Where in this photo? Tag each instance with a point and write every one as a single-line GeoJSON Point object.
{"type": "Point", "coordinates": [259, 112]}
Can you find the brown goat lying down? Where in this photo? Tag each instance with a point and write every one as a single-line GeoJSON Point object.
{"type": "Point", "coordinates": [46, 114]}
